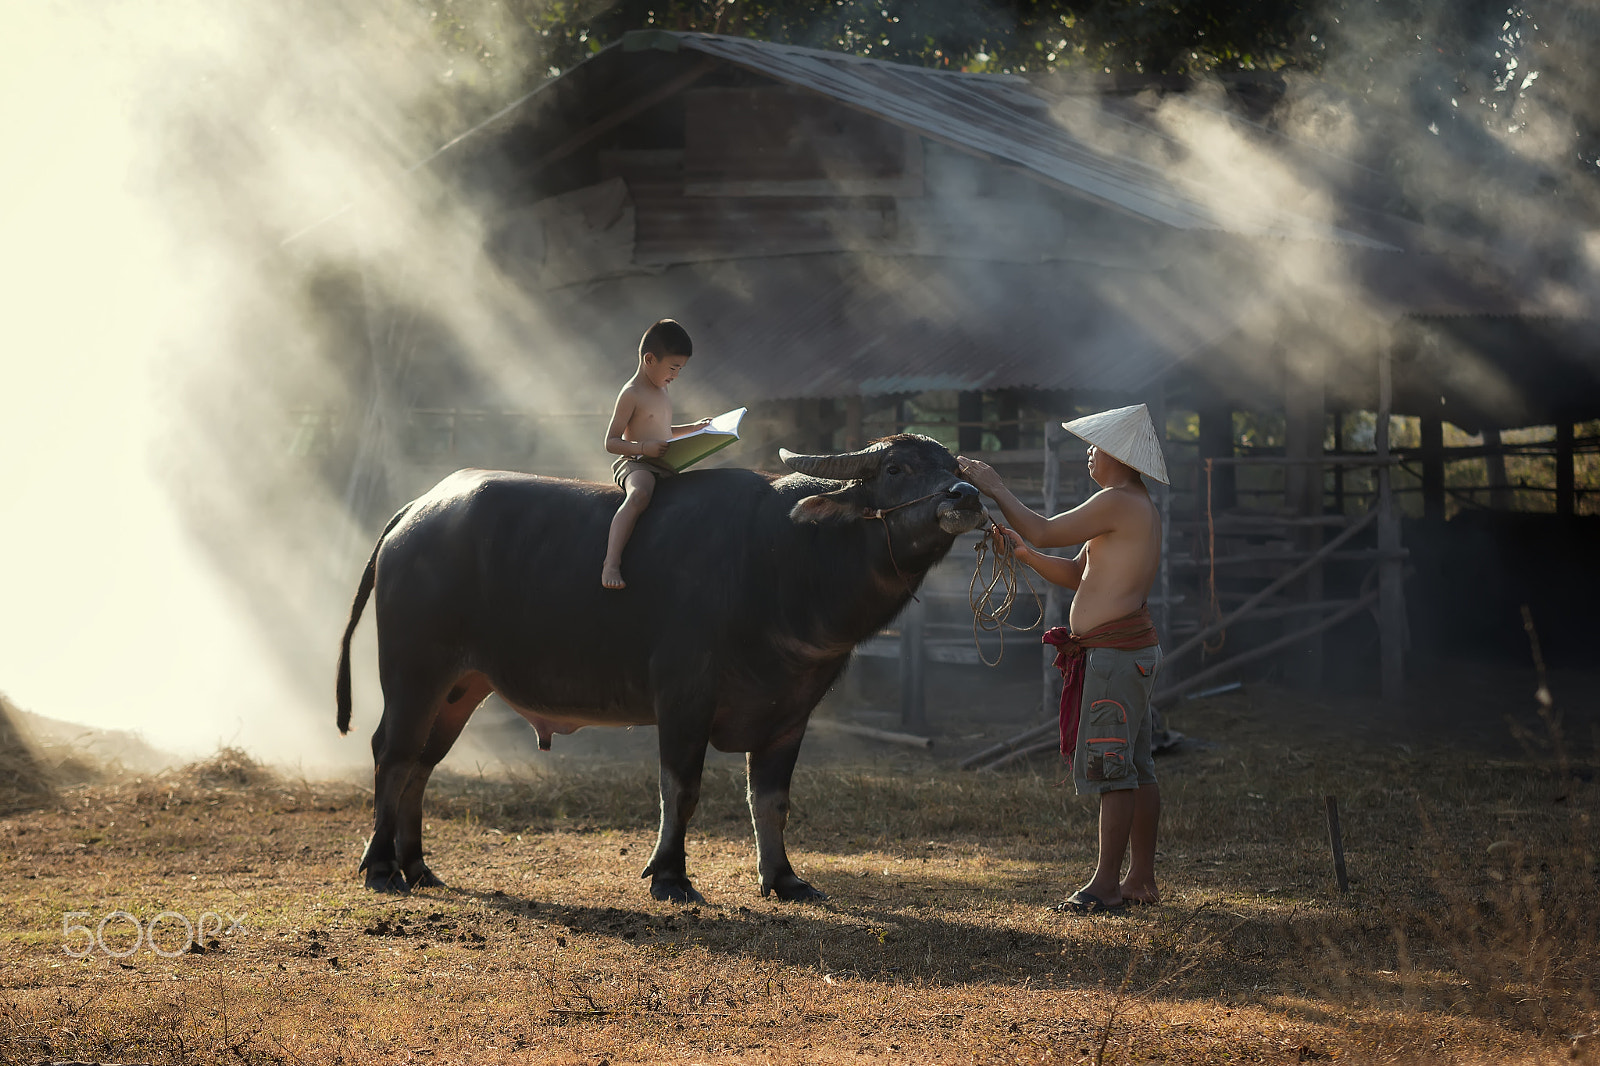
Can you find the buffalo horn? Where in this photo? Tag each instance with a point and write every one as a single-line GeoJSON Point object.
{"type": "Point", "coordinates": [846, 466]}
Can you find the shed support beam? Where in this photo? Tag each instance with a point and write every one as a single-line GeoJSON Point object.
{"type": "Point", "coordinates": [1566, 482]}
{"type": "Point", "coordinates": [1216, 441]}
{"type": "Point", "coordinates": [913, 668]}
{"type": "Point", "coordinates": [1338, 469]}
{"type": "Point", "coordinates": [1008, 410]}
{"type": "Point", "coordinates": [1304, 424]}
{"type": "Point", "coordinates": [1494, 461]}
{"type": "Point", "coordinates": [1433, 468]}
{"type": "Point", "coordinates": [854, 434]}
{"type": "Point", "coordinates": [969, 408]}
{"type": "Point", "coordinates": [1391, 604]}
{"type": "Point", "coordinates": [1050, 694]}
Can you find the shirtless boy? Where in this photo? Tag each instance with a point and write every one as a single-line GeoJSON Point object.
{"type": "Point", "coordinates": [1111, 652]}
{"type": "Point", "coordinates": [641, 427]}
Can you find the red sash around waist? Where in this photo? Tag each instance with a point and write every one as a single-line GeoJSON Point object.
{"type": "Point", "coordinates": [1128, 633]}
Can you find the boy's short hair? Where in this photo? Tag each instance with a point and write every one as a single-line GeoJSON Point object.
{"type": "Point", "coordinates": [665, 338]}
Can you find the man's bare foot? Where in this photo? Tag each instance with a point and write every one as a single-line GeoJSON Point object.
{"type": "Point", "coordinates": [611, 576]}
{"type": "Point", "coordinates": [1139, 895]}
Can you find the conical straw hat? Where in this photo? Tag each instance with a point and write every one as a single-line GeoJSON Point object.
{"type": "Point", "coordinates": [1125, 434]}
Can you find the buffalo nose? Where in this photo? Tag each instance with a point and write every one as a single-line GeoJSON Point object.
{"type": "Point", "coordinates": [961, 491]}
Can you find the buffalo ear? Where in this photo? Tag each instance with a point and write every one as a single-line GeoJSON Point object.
{"type": "Point", "coordinates": [816, 509]}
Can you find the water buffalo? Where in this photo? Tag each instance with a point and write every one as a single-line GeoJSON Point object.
{"type": "Point", "coordinates": [745, 596]}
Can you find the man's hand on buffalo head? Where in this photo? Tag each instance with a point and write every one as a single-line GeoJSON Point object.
{"type": "Point", "coordinates": [981, 475]}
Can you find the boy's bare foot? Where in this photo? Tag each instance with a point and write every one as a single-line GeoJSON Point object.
{"type": "Point", "coordinates": [611, 576]}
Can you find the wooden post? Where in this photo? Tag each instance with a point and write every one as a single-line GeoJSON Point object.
{"type": "Point", "coordinates": [1008, 409]}
{"type": "Point", "coordinates": [1338, 468]}
{"type": "Point", "coordinates": [1336, 839]}
{"type": "Point", "coordinates": [1391, 605]}
{"type": "Point", "coordinates": [1050, 693]}
{"type": "Point", "coordinates": [1566, 482]}
{"type": "Point", "coordinates": [1494, 463]}
{"type": "Point", "coordinates": [854, 436]}
{"type": "Point", "coordinates": [1216, 441]}
{"type": "Point", "coordinates": [1163, 499]}
{"type": "Point", "coordinates": [969, 408]}
{"type": "Point", "coordinates": [1304, 420]}
{"type": "Point", "coordinates": [1433, 468]}
{"type": "Point", "coordinates": [913, 706]}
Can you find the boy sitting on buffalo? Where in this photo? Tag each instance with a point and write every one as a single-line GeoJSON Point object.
{"type": "Point", "coordinates": [641, 428]}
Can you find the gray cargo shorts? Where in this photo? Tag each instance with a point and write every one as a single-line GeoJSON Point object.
{"type": "Point", "coordinates": [1114, 722]}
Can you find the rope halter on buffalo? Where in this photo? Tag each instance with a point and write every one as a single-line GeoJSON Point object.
{"type": "Point", "coordinates": [1002, 573]}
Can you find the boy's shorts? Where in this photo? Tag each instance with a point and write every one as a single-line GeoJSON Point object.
{"type": "Point", "coordinates": [1115, 723]}
{"type": "Point", "coordinates": [627, 464]}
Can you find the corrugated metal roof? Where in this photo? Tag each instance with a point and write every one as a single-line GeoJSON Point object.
{"type": "Point", "coordinates": [996, 116]}
{"type": "Point", "coordinates": [856, 324]}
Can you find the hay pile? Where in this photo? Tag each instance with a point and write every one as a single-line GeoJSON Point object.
{"type": "Point", "coordinates": [230, 768]}
{"type": "Point", "coordinates": [24, 782]}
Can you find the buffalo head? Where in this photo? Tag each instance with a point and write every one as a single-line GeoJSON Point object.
{"type": "Point", "coordinates": [907, 479]}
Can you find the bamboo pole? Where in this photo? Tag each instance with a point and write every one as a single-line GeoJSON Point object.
{"type": "Point", "coordinates": [887, 736]}
{"type": "Point", "coordinates": [1050, 679]}
{"type": "Point", "coordinates": [1238, 612]}
{"type": "Point", "coordinates": [913, 667]}
{"type": "Point", "coordinates": [1010, 750]}
{"type": "Point", "coordinates": [1051, 698]}
{"type": "Point", "coordinates": [1264, 650]}
{"type": "Point", "coordinates": [1391, 605]}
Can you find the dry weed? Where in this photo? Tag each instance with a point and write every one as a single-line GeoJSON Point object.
{"type": "Point", "coordinates": [937, 945]}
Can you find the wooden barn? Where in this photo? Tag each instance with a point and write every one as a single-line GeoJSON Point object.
{"type": "Point", "coordinates": [860, 247]}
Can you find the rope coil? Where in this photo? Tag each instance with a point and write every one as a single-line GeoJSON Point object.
{"type": "Point", "coordinates": [1002, 573]}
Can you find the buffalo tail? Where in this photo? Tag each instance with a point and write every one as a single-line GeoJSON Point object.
{"type": "Point", "coordinates": [342, 685]}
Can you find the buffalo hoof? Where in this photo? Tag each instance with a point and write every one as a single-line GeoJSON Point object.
{"type": "Point", "coordinates": [386, 878]}
{"type": "Point", "coordinates": [791, 889]}
{"type": "Point", "coordinates": [420, 876]}
{"type": "Point", "coordinates": [674, 888]}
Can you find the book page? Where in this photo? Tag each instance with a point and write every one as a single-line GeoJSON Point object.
{"type": "Point", "coordinates": [690, 448]}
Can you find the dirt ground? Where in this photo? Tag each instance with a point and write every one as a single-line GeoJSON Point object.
{"type": "Point", "coordinates": [1469, 932]}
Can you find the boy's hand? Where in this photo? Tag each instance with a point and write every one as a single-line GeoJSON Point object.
{"type": "Point", "coordinates": [655, 449]}
{"type": "Point", "coordinates": [1009, 540]}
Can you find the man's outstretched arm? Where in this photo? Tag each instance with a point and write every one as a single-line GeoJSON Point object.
{"type": "Point", "coordinates": [1083, 523]}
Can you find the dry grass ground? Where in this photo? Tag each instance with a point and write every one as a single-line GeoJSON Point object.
{"type": "Point", "coordinates": [1469, 934]}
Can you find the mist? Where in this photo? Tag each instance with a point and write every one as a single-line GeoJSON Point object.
{"type": "Point", "coordinates": [198, 195]}
{"type": "Point", "coordinates": [168, 566]}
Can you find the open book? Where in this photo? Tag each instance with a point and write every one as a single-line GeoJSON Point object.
{"type": "Point", "coordinates": [690, 448]}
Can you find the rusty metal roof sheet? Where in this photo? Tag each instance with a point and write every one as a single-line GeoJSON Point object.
{"type": "Point", "coordinates": [856, 324]}
{"type": "Point", "coordinates": [998, 116]}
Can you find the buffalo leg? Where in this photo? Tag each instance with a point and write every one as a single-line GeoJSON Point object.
{"type": "Point", "coordinates": [683, 758]}
{"type": "Point", "coordinates": [389, 777]}
{"type": "Point", "coordinates": [397, 746]}
{"type": "Point", "coordinates": [447, 725]}
{"type": "Point", "coordinates": [770, 771]}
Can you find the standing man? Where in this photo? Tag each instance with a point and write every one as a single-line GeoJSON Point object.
{"type": "Point", "coordinates": [1110, 655]}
